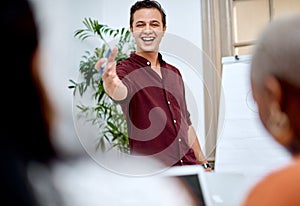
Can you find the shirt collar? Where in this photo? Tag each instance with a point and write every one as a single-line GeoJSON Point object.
{"type": "Point", "coordinates": [143, 61]}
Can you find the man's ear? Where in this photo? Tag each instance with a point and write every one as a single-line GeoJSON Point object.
{"type": "Point", "coordinates": [278, 122]}
{"type": "Point", "coordinates": [164, 30]}
{"type": "Point", "coordinates": [274, 89]}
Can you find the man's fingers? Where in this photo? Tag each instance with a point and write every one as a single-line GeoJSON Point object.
{"type": "Point", "coordinates": [111, 63]}
{"type": "Point", "coordinates": [110, 69]}
{"type": "Point", "coordinates": [109, 60]}
{"type": "Point", "coordinates": [100, 63]}
{"type": "Point", "coordinates": [112, 56]}
{"type": "Point", "coordinates": [107, 65]}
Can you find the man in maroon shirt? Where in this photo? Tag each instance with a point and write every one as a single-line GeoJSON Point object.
{"type": "Point", "coordinates": [151, 94]}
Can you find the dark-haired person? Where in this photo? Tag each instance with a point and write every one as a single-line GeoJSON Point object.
{"type": "Point", "coordinates": [25, 110]}
{"type": "Point", "coordinates": [275, 71]}
{"type": "Point", "coordinates": [151, 93]}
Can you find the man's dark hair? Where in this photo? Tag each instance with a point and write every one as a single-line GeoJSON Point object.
{"type": "Point", "coordinates": [147, 4]}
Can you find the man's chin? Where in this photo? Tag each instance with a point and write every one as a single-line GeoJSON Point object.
{"type": "Point", "coordinates": [149, 50]}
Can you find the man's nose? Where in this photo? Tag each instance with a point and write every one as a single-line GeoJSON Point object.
{"type": "Point", "coordinates": [147, 28]}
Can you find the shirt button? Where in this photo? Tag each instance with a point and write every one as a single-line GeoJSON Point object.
{"type": "Point", "coordinates": [148, 63]}
{"type": "Point", "coordinates": [169, 102]}
{"type": "Point", "coordinates": [174, 121]}
{"type": "Point", "coordinates": [181, 161]}
{"type": "Point", "coordinates": [179, 139]}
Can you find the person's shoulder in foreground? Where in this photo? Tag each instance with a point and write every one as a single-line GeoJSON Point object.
{"type": "Point", "coordinates": [277, 189]}
{"type": "Point", "coordinates": [275, 71]}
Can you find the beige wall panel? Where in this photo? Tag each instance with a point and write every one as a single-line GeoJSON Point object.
{"type": "Point", "coordinates": [244, 50]}
{"type": "Point", "coordinates": [283, 7]}
{"type": "Point", "coordinates": [249, 16]}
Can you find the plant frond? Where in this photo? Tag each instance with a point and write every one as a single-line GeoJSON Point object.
{"type": "Point", "coordinates": [113, 124]}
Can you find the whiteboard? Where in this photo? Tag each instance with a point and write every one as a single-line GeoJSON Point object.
{"type": "Point", "coordinates": [243, 144]}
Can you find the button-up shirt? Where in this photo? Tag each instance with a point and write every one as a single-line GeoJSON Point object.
{"type": "Point", "coordinates": [155, 110]}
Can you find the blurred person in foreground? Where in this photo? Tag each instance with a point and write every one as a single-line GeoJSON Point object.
{"type": "Point", "coordinates": [25, 114]}
{"type": "Point", "coordinates": [32, 172]}
{"type": "Point", "coordinates": [275, 72]}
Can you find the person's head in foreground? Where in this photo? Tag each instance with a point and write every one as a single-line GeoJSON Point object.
{"type": "Point", "coordinates": [26, 112]}
{"type": "Point", "coordinates": [275, 80]}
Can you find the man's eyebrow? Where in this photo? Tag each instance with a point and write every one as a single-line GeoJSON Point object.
{"type": "Point", "coordinates": [138, 22]}
{"type": "Point", "coordinates": [155, 21]}
{"type": "Point", "coordinates": [152, 21]}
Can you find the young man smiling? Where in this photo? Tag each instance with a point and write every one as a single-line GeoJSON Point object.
{"type": "Point", "coordinates": [151, 93]}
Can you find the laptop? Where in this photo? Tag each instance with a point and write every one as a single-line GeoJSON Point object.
{"type": "Point", "coordinates": [212, 188]}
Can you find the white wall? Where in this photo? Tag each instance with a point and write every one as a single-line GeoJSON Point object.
{"type": "Point", "coordinates": [62, 51]}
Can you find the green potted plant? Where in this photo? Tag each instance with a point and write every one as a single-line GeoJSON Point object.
{"type": "Point", "coordinates": [107, 115]}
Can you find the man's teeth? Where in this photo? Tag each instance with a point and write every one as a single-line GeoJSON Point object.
{"type": "Point", "coordinates": [147, 38]}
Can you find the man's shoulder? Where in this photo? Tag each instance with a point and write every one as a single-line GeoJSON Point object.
{"type": "Point", "coordinates": [170, 66]}
{"type": "Point", "coordinates": [124, 61]}
{"type": "Point", "coordinates": [130, 60]}
{"type": "Point", "coordinates": [125, 66]}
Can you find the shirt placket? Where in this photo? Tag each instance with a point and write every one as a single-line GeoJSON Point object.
{"type": "Point", "coordinates": [175, 118]}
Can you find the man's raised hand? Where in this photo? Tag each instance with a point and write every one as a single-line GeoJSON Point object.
{"type": "Point", "coordinates": [113, 86]}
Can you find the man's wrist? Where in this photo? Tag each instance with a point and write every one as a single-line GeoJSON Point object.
{"type": "Point", "coordinates": [206, 165]}
{"type": "Point", "coordinates": [118, 91]}
{"type": "Point", "coordinates": [201, 162]}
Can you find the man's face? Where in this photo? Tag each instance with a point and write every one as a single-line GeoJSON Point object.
{"type": "Point", "coordinates": [147, 29]}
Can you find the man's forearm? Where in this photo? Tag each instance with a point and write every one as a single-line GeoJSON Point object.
{"type": "Point", "coordinates": [117, 91]}
{"type": "Point", "coordinates": [195, 145]}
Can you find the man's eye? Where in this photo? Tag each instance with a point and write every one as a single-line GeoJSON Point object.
{"type": "Point", "coordinates": [155, 24]}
